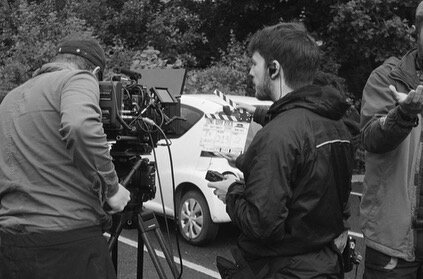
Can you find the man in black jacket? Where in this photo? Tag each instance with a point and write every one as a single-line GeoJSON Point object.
{"type": "Point", "coordinates": [298, 168]}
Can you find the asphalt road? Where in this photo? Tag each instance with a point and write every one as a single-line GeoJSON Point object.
{"type": "Point", "coordinates": [200, 262]}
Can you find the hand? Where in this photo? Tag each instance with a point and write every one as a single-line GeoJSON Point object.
{"type": "Point", "coordinates": [249, 108]}
{"type": "Point", "coordinates": [119, 200]}
{"type": "Point", "coordinates": [221, 187]}
{"type": "Point", "coordinates": [228, 156]}
{"type": "Point", "coordinates": [341, 241]}
{"type": "Point", "coordinates": [411, 103]}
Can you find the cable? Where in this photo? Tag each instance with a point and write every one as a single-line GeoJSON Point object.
{"type": "Point", "coordinates": [280, 86]}
{"type": "Point", "coordinates": [168, 143]}
{"type": "Point", "coordinates": [161, 193]}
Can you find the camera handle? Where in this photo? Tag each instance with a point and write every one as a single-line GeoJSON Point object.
{"type": "Point", "coordinates": [146, 222]}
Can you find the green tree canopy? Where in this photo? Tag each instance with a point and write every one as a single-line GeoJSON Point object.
{"type": "Point", "coordinates": [207, 36]}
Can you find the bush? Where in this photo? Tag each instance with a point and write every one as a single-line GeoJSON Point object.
{"type": "Point", "coordinates": [32, 33]}
{"type": "Point", "coordinates": [229, 75]}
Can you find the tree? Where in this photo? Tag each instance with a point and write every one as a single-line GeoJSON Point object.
{"type": "Point", "coordinates": [174, 31]}
{"type": "Point", "coordinates": [364, 33]}
{"type": "Point", "coordinates": [30, 34]}
{"type": "Point", "coordinates": [229, 75]}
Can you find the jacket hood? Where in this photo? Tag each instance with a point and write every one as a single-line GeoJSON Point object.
{"type": "Point", "coordinates": [405, 70]}
{"type": "Point", "coordinates": [325, 101]}
{"type": "Point", "coordinates": [52, 67]}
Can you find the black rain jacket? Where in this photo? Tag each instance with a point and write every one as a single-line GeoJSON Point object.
{"type": "Point", "coordinates": [297, 174]}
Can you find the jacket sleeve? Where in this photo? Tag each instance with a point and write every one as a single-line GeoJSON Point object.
{"type": "Point", "coordinates": [260, 115]}
{"type": "Point", "coordinates": [259, 208]}
{"type": "Point", "coordinates": [383, 127]}
{"type": "Point", "coordinates": [82, 132]}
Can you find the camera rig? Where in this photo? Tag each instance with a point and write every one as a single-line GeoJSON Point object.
{"type": "Point", "coordinates": [129, 109]}
{"type": "Point", "coordinates": [133, 119]}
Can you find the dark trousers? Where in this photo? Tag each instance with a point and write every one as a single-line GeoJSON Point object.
{"type": "Point", "coordinates": [322, 264]}
{"type": "Point", "coordinates": [380, 266]}
{"type": "Point", "coordinates": [76, 254]}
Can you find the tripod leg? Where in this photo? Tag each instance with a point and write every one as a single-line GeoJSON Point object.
{"type": "Point", "coordinates": [140, 256]}
{"type": "Point", "coordinates": [112, 243]}
{"type": "Point", "coordinates": [167, 253]}
{"type": "Point", "coordinates": [150, 249]}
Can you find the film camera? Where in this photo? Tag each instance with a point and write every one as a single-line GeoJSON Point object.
{"type": "Point", "coordinates": [133, 119]}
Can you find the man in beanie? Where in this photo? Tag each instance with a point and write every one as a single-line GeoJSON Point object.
{"type": "Point", "coordinates": [56, 173]}
{"type": "Point", "coordinates": [392, 204]}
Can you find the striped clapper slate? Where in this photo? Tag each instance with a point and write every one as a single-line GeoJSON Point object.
{"type": "Point", "coordinates": [225, 132]}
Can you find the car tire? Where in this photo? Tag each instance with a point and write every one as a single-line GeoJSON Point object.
{"type": "Point", "coordinates": [195, 223]}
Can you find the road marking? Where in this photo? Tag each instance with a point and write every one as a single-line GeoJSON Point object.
{"type": "Point", "coordinates": [159, 253]}
{"type": "Point", "coordinates": [356, 194]}
{"type": "Point", "coordinates": [357, 178]}
{"type": "Point", "coordinates": [360, 235]}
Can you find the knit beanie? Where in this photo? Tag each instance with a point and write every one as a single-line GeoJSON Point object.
{"type": "Point", "coordinates": [89, 49]}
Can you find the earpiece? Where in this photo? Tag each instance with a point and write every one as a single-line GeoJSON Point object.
{"type": "Point", "coordinates": [97, 72]}
{"type": "Point", "coordinates": [272, 69]}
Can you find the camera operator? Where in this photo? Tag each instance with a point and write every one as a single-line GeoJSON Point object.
{"type": "Point", "coordinates": [297, 169]}
{"type": "Point", "coordinates": [56, 172]}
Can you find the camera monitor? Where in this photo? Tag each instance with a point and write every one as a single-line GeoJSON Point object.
{"type": "Point", "coordinates": [172, 79]}
{"type": "Point", "coordinates": [164, 95]}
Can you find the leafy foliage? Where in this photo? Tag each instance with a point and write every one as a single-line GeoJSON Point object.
{"type": "Point", "coordinates": [175, 31]}
{"type": "Point", "coordinates": [229, 75]}
{"type": "Point", "coordinates": [366, 32]}
{"type": "Point", "coordinates": [356, 35]}
{"type": "Point", "coordinates": [30, 35]}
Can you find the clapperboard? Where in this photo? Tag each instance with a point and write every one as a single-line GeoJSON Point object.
{"type": "Point", "coordinates": [226, 131]}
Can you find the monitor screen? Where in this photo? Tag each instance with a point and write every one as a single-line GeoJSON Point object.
{"type": "Point", "coordinates": [164, 95]}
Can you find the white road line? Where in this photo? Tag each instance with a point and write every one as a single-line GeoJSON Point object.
{"type": "Point", "coordinates": [356, 194]}
{"type": "Point", "coordinates": [159, 253]}
{"type": "Point", "coordinates": [360, 235]}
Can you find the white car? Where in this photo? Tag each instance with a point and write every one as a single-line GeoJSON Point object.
{"type": "Point", "coordinates": [199, 210]}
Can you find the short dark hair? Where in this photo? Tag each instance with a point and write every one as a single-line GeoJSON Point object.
{"type": "Point", "coordinates": [291, 45]}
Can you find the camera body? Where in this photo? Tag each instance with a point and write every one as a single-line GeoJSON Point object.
{"type": "Point", "coordinates": [133, 119]}
{"type": "Point", "coordinates": [125, 107]}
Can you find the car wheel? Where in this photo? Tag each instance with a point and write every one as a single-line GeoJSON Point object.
{"type": "Point", "coordinates": [195, 224]}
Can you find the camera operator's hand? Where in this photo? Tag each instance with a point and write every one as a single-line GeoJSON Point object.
{"type": "Point", "coordinates": [221, 187]}
{"type": "Point", "coordinates": [119, 200]}
{"type": "Point", "coordinates": [412, 103]}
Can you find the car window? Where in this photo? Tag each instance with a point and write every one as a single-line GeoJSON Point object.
{"type": "Point", "coordinates": [191, 116]}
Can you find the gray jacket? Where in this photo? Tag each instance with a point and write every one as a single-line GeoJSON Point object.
{"type": "Point", "coordinates": [55, 168]}
{"type": "Point", "coordinates": [391, 143]}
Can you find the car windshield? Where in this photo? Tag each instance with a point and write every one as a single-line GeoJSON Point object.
{"type": "Point", "coordinates": [191, 116]}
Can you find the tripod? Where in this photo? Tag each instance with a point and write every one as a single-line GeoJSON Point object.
{"type": "Point", "coordinates": [145, 222]}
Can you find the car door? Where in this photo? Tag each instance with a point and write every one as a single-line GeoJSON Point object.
{"type": "Point", "coordinates": [184, 158]}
